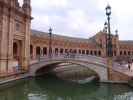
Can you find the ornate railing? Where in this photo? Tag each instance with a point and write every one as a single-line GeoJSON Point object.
{"type": "Point", "coordinates": [70, 56]}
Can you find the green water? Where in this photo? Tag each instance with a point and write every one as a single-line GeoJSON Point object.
{"type": "Point", "coordinates": [51, 88]}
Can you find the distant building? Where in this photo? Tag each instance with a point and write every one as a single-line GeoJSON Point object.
{"type": "Point", "coordinates": [95, 45]}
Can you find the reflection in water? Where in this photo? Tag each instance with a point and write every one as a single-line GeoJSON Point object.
{"type": "Point", "coordinates": [51, 88]}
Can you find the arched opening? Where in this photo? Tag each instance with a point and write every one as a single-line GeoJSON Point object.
{"type": "Point", "coordinates": [121, 53]}
{"type": "Point", "coordinates": [45, 51]}
{"type": "Point", "coordinates": [114, 53]}
{"type": "Point", "coordinates": [17, 55]}
{"type": "Point", "coordinates": [83, 51]}
{"type": "Point", "coordinates": [99, 53]}
{"type": "Point", "coordinates": [66, 50]}
{"type": "Point", "coordinates": [87, 52]}
{"type": "Point", "coordinates": [129, 53]}
{"type": "Point", "coordinates": [75, 51]}
{"type": "Point", "coordinates": [91, 52]}
{"type": "Point", "coordinates": [125, 53]}
{"type": "Point", "coordinates": [56, 51]}
{"type": "Point", "coordinates": [31, 51]}
{"type": "Point", "coordinates": [71, 70]}
{"type": "Point", "coordinates": [15, 51]}
{"type": "Point", "coordinates": [61, 51]}
{"type": "Point", "coordinates": [38, 51]}
{"type": "Point", "coordinates": [95, 53]}
{"type": "Point", "coordinates": [79, 51]}
{"type": "Point", "coordinates": [71, 51]}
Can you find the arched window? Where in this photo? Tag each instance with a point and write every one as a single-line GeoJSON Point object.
{"type": "Point", "coordinates": [38, 51]}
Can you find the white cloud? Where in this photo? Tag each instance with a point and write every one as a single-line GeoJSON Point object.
{"type": "Point", "coordinates": [84, 17]}
{"type": "Point", "coordinates": [49, 4]}
{"type": "Point", "coordinates": [41, 25]}
{"type": "Point", "coordinates": [76, 19]}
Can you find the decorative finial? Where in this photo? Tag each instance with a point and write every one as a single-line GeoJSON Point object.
{"type": "Point", "coordinates": [50, 30]}
{"type": "Point", "coordinates": [116, 32]}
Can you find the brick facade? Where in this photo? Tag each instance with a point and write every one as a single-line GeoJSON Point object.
{"type": "Point", "coordinates": [95, 45]}
{"type": "Point", "coordinates": [14, 34]}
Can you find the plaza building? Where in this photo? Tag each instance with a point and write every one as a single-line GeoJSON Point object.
{"type": "Point", "coordinates": [96, 45]}
{"type": "Point", "coordinates": [20, 44]}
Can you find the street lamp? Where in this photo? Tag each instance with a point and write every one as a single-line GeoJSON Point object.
{"type": "Point", "coordinates": [109, 44]}
{"type": "Point", "coordinates": [109, 39]}
{"type": "Point", "coordinates": [106, 36]}
{"type": "Point", "coordinates": [116, 32]}
{"type": "Point", "coordinates": [50, 42]}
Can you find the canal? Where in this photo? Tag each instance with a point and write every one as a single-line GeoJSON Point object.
{"type": "Point", "coordinates": [51, 88]}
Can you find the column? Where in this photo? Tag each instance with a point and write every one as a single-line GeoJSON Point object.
{"type": "Point", "coordinates": [6, 43]}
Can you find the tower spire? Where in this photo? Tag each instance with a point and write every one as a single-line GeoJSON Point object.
{"type": "Point", "coordinates": [27, 6]}
{"type": "Point", "coordinates": [26, 2]}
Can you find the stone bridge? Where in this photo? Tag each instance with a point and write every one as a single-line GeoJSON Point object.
{"type": "Point", "coordinates": [94, 63]}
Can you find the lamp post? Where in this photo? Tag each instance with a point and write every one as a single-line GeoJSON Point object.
{"type": "Point", "coordinates": [50, 42]}
{"type": "Point", "coordinates": [105, 27]}
{"type": "Point", "coordinates": [109, 38]}
{"type": "Point", "coordinates": [106, 37]}
{"type": "Point", "coordinates": [109, 44]}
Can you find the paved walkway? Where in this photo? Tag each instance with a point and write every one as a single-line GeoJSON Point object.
{"type": "Point", "coordinates": [13, 78]}
{"type": "Point", "coordinates": [3, 81]}
{"type": "Point", "coordinates": [124, 69]}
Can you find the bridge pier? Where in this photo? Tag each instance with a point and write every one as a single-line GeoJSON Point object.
{"type": "Point", "coordinates": [109, 67]}
{"type": "Point", "coordinates": [116, 76]}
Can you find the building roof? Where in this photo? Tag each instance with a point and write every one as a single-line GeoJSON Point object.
{"type": "Point", "coordinates": [126, 42]}
{"type": "Point", "coordinates": [61, 37]}
{"type": "Point", "coordinates": [92, 41]}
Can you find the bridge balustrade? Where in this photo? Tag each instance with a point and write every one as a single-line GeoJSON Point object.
{"type": "Point", "coordinates": [70, 56]}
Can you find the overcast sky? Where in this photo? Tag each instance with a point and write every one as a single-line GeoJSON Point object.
{"type": "Point", "coordinates": [82, 18]}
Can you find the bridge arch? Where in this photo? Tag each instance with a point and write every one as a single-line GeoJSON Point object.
{"type": "Point", "coordinates": [99, 68]}
{"type": "Point", "coordinates": [48, 68]}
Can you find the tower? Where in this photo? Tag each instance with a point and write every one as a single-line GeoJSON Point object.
{"type": "Point", "coordinates": [27, 7]}
{"type": "Point", "coordinates": [15, 22]}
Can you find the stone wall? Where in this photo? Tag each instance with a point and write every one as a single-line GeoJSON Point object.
{"type": "Point", "coordinates": [118, 76]}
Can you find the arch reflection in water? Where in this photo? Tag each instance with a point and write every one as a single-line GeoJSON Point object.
{"type": "Point", "coordinates": [51, 88]}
